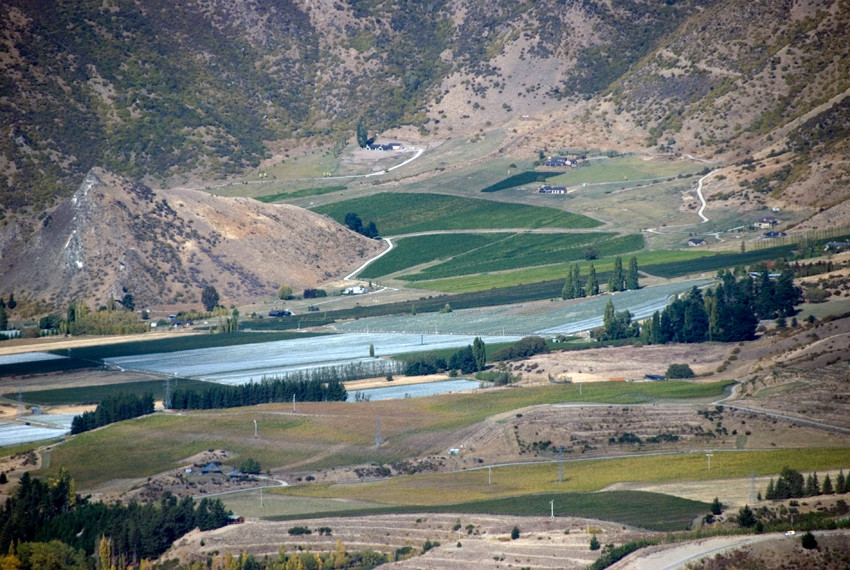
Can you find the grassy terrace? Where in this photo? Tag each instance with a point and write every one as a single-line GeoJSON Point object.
{"type": "Point", "coordinates": [149, 445]}
{"type": "Point", "coordinates": [396, 214]}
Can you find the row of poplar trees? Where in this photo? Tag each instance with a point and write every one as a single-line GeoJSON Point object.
{"type": "Point", "coordinates": [576, 286]}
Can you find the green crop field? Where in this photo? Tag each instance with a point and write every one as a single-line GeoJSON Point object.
{"type": "Point", "coordinates": [304, 192]}
{"type": "Point", "coordinates": [636, 508]}
{"type": "Point", "coordinates": [94, 394]}
{"type": "Point", "coordinates": [412, 251]}
{"type": "Point", "coordinates": [524, 250]}
{"type": "Point", "coordinates": [472, 283]}
{"type": "Point", "coordinates": [409, 213]}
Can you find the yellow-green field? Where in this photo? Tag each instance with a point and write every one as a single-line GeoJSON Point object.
{"type": "Point", "coordinates": [324, 434]}
{"type": "Point", "coordinates": [579, 476]}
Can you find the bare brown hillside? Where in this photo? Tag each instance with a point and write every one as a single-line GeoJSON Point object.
{"type": "Point", "coordinates": [163, 246]}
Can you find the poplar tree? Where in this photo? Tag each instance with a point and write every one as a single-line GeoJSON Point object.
{"type": "Point", "coordinates": [632, 275]}
{"type": "Point", "coordinates": [479, 352]}
{"type": "Point", "coordinates": [592, 287]}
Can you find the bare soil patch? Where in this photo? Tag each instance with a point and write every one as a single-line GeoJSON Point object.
{"type": "Point", "coordinates": [625, 363]}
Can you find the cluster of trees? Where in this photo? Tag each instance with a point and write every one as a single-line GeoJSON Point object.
{"type": "Point", "coordinates": [615, 325]}
{"type": "Point", "coordinates": [576, 287]}
{"type": "Point", "coordinates": [471, 358]}
{"type": "Point", "coordinates": [107, 320]}
{"type": "Point", "coordinates": [355, 224]}
{"type": "Point", "coordinates": [113, 409]}
{"type": "Point", "coordinates": [792, 485]}
{"type": "Point", "coordinates": [209, 298]}
{"type": "Point", "coordinates": [728, 313]}
{"type": "Point", "coordinates": [48, 512]}
{"type": "Point", "coordinates": [523, 348]}
{"type": "Point", "coordinates": [264, 392]}
{"type": "Point", "coordinates": [4, 317]}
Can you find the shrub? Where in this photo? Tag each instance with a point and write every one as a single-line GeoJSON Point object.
{"type": "Point", "coordinates": [515, 533]}
{"type": "Point", "coordinates": [250, 466]}
{"type": "Point", "coordinates": [299, 530]}
{"type": "Point", "coordinates": [594, 543]}
{"type": "Point", "coordinates": [809, 541]}
{"type": "Point", "coordinates": [679, 371]}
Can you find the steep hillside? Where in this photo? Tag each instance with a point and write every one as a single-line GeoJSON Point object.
{"type": "Point", "coordinates": [158, 90]}
{"type": "Point", "coordinates": [115, 236]}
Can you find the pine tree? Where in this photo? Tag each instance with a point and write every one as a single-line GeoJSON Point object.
{"type": "Point", "coordinates": [841, 483]}
{"type": "Point", "coordinates": [812, 485]}
{"type": "Point", "coordinates": [4, 319]}
{"type": "Point", "coordinates": [632, 276]}
{"type": "Point", "coordinates": [827, 486]}
{"type": "Point", "coordinates": [592, 287]}
{"type": "Point", "coordinates": [770, 493]}
{"type": "Point", "coordinates": [716, 506]}
{"type": "Point", "coordinates": [12, 303]}
{"type": "Point", "coordinates": [594, 542]}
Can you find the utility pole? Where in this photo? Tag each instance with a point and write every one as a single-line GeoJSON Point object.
{"type": "Point", "coordinates": [255, 429]}
{"type": "Point", "coordinates": [489, 476]}
{"type": "Point", "coordinates": [552, 509]}
{"type": "Point", "coordinates": [708, 455]}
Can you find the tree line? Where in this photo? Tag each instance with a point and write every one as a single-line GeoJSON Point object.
{"type": "Point", "coordinates": [728, 313]}
{"type": "Point", "coordinates": [113, 409]}
{"type": "Point", "coordinates": [44, 512]}
{"type": "Point", "coordinates": [266, 391]}
{"type": "Point", "coordinates": [577, 287]}
{"type": "Point", "coordinates": [471, 358]}
{"type": "Point", "coordinates": [792, 485]}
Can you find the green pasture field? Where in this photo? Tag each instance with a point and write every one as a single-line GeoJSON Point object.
{"type": "Point", "coordinates": [654, 511]}
{"type": "Point", "coordinates": [527, 177]}
{"type": "Point", "coordinates": [323, 434]}
{"type": "Point", "coordinates": [483, 282]}
{"type": "Point", "coordinates": [625, 168]}
{"type": "Point", "coordinates": [396, 214]}
{"type": "Point", "coordinates": [412, 251]}
{"type": "Point", "coordinates": [96, 393]}
{"type": "Point", "coordinates": [524, 250]}
{"type": "Point", "coordinates": [580, 476]}
{"type": "Point", "coordinates": [304, 192]}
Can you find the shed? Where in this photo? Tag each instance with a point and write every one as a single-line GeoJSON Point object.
{"type": "Point", "coordinates": [212, 467]}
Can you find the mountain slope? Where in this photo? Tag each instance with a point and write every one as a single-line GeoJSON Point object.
{"type": "Point", "coordinates": [115, 236]}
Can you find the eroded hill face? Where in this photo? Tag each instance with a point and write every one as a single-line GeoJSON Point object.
{"type": "Point", "coordinates": [115, 236]}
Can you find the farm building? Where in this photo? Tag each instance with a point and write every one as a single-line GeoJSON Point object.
{"type": "Point", "coordinates": [655, 377]}
{"type": "Point", "coordinates": [766, 223]}
{"type": "Point", "coordinates": [772, 235]}
{"type": "Point", "coordinates": [552, 190]}
{"type": "Point", "coordinates": [280, 313]}
{"type": "Point", "coordinates": [210, 468]}
{"type": "Point", "coordinates": [356, 290]}
{"type": "Point", "coordinates": [387, 146]}
{"type": "Point", "coordinates": [696, 242]}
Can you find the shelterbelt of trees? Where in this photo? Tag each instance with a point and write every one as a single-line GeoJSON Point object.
{"type": "Point", "coordinates": [48, 518]}
{"type": "Point", "coordinates": [729, 312]}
